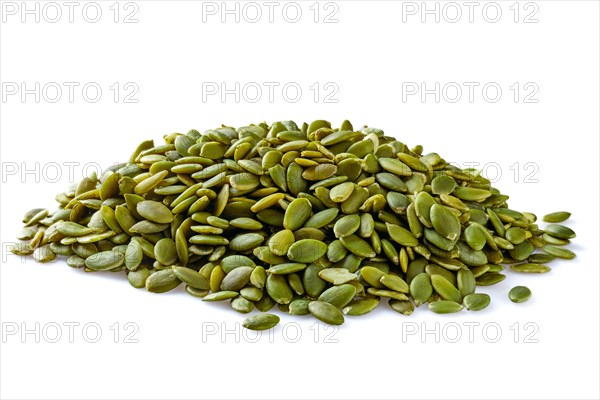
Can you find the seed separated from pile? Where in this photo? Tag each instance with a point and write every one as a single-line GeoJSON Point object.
{"type": "Point", "coordinates": [314, 219]}
{"type": "Point", "coordinates": [519, 294]}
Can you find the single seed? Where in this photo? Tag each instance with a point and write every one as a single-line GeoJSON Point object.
{"type": "Point", "coordinates": [558, 216]}
{"type": "Point", "coordinates": [519, 294]}
{"type": "Point", "coordinates": [326, 312]}
{"type": "Point", "coordinates": [261, 322]}
{"type": "Point", "coordinates": [530, 268]}
{"type": "Point", "coordinates": [445, 307]}
{"type": "Point", "coordinates": [476, 301]}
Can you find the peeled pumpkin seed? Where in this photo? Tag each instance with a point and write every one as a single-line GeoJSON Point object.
{"type": "Point", "coordinates": [338, 296]}
{"type": "Point", "coordinates": [306, 250]}
{"type": "Point", "coordinates": [326, 312]}
{"type": "Point", "coordinates": [445, 307]}
{"type": "Point", "coordinates": [337, 218]}
{"type": "Point", "coordinates": [559, 231]}
{"type": "Point", "coordinates": [519, 294]}
{"type": "Point", "coordinates": [476, 301]}
{"type": "Point", "coordinates": [558, 216]}
{"type": "Point", "coordinates": [261, 322]}
{"type": "Point", "coordinates": [530, 268]}
{"type": "Point", "coordinates": [361, 306]}
{"type": "Point", "coordinates": [403, 307]}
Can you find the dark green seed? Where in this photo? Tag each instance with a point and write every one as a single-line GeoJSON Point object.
{"type": "Point", "coordinates": [476, 301]}
{"type": "Point", "coordinates": [326, 312]}
{"type": "Point", "coordinates": [260, 322]}
{"type": "Point", "coordinates": [519, 294]}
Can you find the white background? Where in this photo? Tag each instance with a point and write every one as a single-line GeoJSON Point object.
{"type": "Point", "coordinates": [370, 55]}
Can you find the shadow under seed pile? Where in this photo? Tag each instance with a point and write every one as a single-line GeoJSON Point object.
{"type": "Point", "coordinates": [317, 220]}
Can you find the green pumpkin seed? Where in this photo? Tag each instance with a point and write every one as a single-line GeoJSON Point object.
{"type": "Point", "coordinates": [445, 289]}
{"type": "Point", "coordinates": [445, 307]}
{"type": "Point", "coordinates": [346, 225]}
{"type": "Point", "coordinates": [341, 192]}
{"type": "Point", "coordinates": [229, 263]}
{"type": "Point", "coordinates": [548, 239]}
{"type": "Point", "coordinates": [236, 279]}
{"type": "Point", "coordinates": [191, 278]}
{"type": "Point", "coordinates": [299, 307]}
{"type": "Point", "coordinates": [337, 276]}
{"type": "Point", "coordinates": [515, 235]}
{"type": "Point", "coordinates": [519, 294]}
{"type": "Point", "coordinates": [338, 296]}
{"type": "Point", "coordinates": [162, 281]}
{"type": "Point", "coordinates": [401, 235]}
{"type": "Point", "coordinates": [43, 254]}
{"type": "Point", "coordinates": [540, 258]}
{"type": "Point", "coordinates": [395, 166]}
{"type": "Point", "coordinates": [322, 218]}
{"type": "Point", "coordinates": [326, 312]}
{"type": "Point", "coordinates": [476, 301]}
{"type": "Point", "coordinates": [443, 184]}
{"type": "Point", "coordinates": [241, 305]}
{"type": "Point", "coordinates": [306, 250]}
{"type": "Point", "coordinates": [245, 241]}
{"type": "Point", "coordinates": [471, 194]}
{"type": "Point", "coordinates": [104, 260]}
{"type": "Point", "coordinates": [421, 288]}
{"type": "Point", "coordinates": [312, 282]}
{"type": "Point", "coordinates": [155, 212]}
{"type": "Point", "coordinates": [246, 223]}
{"type": "Point", "coordinates": [394, 282]}
{"type": "Point", "coordinates": [489, 278]}
{"type": "Point", "coordinates": [558, 216]}
{"type": "Point", "coordinates": [73, 229]}
{"type": "Point", "coordinates": [522, 251]}
{"type": "Point", "coordinates": [361, 306]}
{"type": "Point", "coordinates": [530, 268]}
{"type": "Point", "coordinates": [559, 231]}
{"type": "Point", "coordinates": [251, 293]}
{"type": "Point", "coordinates": [387, 293]}
{"type": "Point", "coordinates": [466, 282]}
{"type": "Point", "coordinates": [165, 251]}
{"type": "Point", "coordinates": [75, 261]}
{"type": "Point", "coordinates": [133, 255]}
{"type": "Point", "coordinates": [21, 249]}
{"type": "Point", "coordinates": [220, 296]}
{"type": "Point", "coordinates": [296, 214]}
{"type": "Point", "coordinates": [423, 204]}
{"type": "Point", "coordinates": [35, 218]}
{"type": "Point", "coordinates": [261, 322]}
{"type": "Point", "coordinates": [287, 268]}
{"type": "Point", "coordinates": [138, 278]}
{"type": "Point", "coordinates": [403, 307]}
{"type": "Point", "coordinates": [475, 236]}
{"type": "Point", "coordinates": [444, 222]}
{"type": "Point", "coordinates": [150, 183]}
{"type": "Point", "coordinates": [278, 288]}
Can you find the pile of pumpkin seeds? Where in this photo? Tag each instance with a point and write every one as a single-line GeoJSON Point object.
{"type": "Point", "coordinates": [314, 219]}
